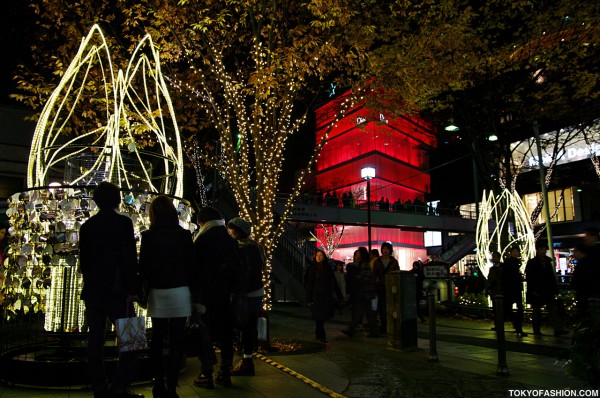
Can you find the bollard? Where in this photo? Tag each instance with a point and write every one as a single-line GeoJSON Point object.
{"type": "Point", "coordinates": [401, 298]}
{"type": "Point", "coordinates": [502, 369]}
{"type": "Point", "coordinates": [433, 356]}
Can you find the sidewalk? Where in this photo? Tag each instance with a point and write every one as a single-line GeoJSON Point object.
{"type": "Point", "coordinates": [366, 367]}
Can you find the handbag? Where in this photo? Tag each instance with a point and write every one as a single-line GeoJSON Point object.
{"type": "Point", "coordinates": [131, 333]}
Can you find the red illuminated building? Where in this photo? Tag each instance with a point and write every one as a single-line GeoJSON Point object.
{"type": "Point", "coordinates": [397, 147]}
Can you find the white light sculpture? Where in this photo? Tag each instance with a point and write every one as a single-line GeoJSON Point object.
{"type": "Point", "coordinates": [503, 222]}
{"type": "Point", "coordinates": [41, 267]}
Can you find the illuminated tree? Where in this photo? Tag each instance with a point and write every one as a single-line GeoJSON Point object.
{"type": "Point", "coordinates": [240, 68]}
{"type": "Point", "coordinates": [333, 238]}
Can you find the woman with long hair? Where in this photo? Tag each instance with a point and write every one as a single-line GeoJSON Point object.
{"type": "Point", "coordinates": [320, 287]}
{"type": "Point", "coordinates": [166, 255]}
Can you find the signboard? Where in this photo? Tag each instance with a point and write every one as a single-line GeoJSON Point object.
{"type": "Point", "coordinates": [435, 271]}
{"type": "Point", "coordinates": [570, 145]}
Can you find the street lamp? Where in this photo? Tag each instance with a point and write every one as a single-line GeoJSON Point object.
{"type": "Point", "coordinates": [451, 127]}
{"type": "Point", "coordinates": [368, 173]}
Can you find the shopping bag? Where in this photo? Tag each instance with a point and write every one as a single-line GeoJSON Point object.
{"type": "Point", "coordinates": [131, 333]}
{"type": "Point", "coordinates": [261, 326]}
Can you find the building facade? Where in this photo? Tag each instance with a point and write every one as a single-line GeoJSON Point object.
{"type": "Point", "coordinates": [397, 148]}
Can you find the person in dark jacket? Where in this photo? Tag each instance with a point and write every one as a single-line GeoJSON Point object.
{"type": "Point", "coordinates": [512, 289]}
{"type": "Point", "coordinates": [541, 288]}
{"type": "Point", "coordinates": [214, 279]}
{"type": "Point", "coordinates": [108, 263]}
{"type": "Point", "coordinates": [166, 256]}
{"type": "Point", "coordinates": [585, 281]}
{"type": "Point", "coordinates": [494, 282]}
{"type": "Point", "coordinates": [382, 265]}
{"type": "Point", "coordinates": [253, 257]}
{"type": "Point", "coordinates": [320, 287]}
{"type": "Point", "coordinates": [361, 285]}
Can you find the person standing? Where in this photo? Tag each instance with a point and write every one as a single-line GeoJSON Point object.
{"type": "Point", "coordinates": [166, 256]}
{"type": "Point", "coordinates": [108, 263]}
{"type": "Point", "coordinates": [340, 278]}
{"type": "Point", "coordinates": [383, 265]}
{"type": "Point", "coordinates": [320, 287]}
{"type": "Point", "coordinates": [585, 280]}
{"type": "Point", "coordinates": [494, 282]}
{"type": "Point", "coordinates": [361, 287]}
{"type": "Point", "coordinates": [214, 280]}
{"type": "Point", "coordinates": [541, 288]}
{"type": "Point", "coordinates": [253, 257]}
{"type": "Point", "coordinates": [512, 289]}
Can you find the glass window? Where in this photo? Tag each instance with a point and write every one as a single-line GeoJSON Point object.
{"type": "Point", "coordinates": [564, 212]}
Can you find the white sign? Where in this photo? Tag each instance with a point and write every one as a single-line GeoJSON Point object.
{"type": "Point", "coordinates": [571, 144]}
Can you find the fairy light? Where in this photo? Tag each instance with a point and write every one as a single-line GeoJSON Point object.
{"type": "Point", "coordinates": [41, 264]}
{"type": "Point", "coordinates": [261, 114]}
{"type": "Point", "coordinates": [498, 212]}
{"type": "Point", "coordinates": [128, 103]}
{"type": "Point", "coordinates": [333, 238]}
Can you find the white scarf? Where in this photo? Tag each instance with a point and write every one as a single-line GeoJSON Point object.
{"type": "Point", "coordinates": [208, 225]}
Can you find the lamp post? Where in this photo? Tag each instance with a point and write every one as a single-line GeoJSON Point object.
{"type": "Point", "coordinates": [368, 173]}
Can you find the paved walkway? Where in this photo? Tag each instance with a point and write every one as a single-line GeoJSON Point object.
{"type": "Point", "coordinates": [366, 367]}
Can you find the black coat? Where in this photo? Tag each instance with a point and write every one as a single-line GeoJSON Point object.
{"type": "Point", "coordinates": [512, 280]}
{"type": "Point", "coordinates": [320, 287]}
{"type": "Point", "coordinates": [541, 282]}
{"type": "Point", "coordinates": [585, 281]}
{"type": "Point", "coordinates": [252, 258]}
{"type": "Point", "coordinates": [108, 257]}
{"type": "Point", "coordinates": [215, 274]}
{"type": "Point", "coordinates": [166, 257]}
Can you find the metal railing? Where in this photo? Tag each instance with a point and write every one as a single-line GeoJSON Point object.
{"type": "Point", "coordinates": [407, 208]}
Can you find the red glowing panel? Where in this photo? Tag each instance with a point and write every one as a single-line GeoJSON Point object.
{"type": "Point", "coordinates": [381, 139]}
{"type": "Point", "coordinates": [358, 236]}
{"type": "Point", "coordinates": [388, 173]}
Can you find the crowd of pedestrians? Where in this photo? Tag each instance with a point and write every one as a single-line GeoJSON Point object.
{"type": "Point", "coordinates": [505, 279]}
{"type": "Point", "coordinates": [362, 285]}
{"type": "Point", "coordinates": [348, 200]}
{"type": "Point", "coordinates": [216, 278]}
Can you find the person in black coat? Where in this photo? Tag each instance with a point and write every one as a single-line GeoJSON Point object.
{"type": "Point", "coordinates": [541, 288]}
{"type": "Point", "coordinates": [214, 280]}
{"type": "Point", "coordinates": [361, 288]}
{"type": "Point", "coordinates": [512, 289]}
{"type": "Point", "coordinates": [320, 287]}
{"type": "Point", "coordinates": [108, 263]}
{"type": "Point", "coordinates": [166, 257]}
{"type": "Point", "coordinates": [253, 257]}
{"type": "Point", "coordinates": [494, 282]}
{"type": "Point", "coordinates": [585, 281]}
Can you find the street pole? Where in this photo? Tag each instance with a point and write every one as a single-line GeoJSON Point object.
{"type": "Point", "coordinates": [433, 355]}
{"type": "Point", "coordinates": [536, 130]}
{"type": "Point", "coordinates": [368, 173]}
{"type": "Point", "coordinates": [502, 368]}
{"type": "Point", "coordinates": [369, 213]}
